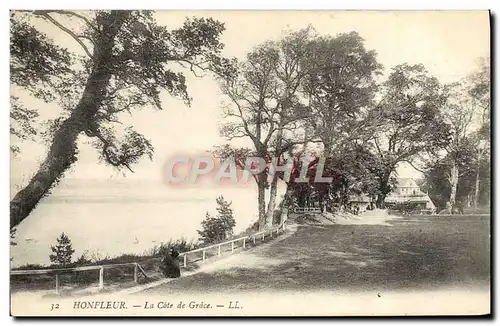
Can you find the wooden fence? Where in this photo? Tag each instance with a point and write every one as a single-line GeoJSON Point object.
{"type": "Point", "coordinates": [307, 210]}
{"type": "Point", "coordinates": [58, 271]}
{"type": "Point", "coordinates": [234, 243]}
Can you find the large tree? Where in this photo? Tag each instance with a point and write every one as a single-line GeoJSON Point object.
{"type": "Point", "coordinates": [121, 62]}
{"type": "Point", "coordinates": [480, 92]}
{"type": "Point", "coordinates": [340, 88]}
{"type": "Point", "coordinates": [467, 112]}
{"type": "Point", "coordinates": [436, 177]}
{"type": "Point", "coordinates": [459, 112]}
{"type": "Point", "coordinates": [265, 106]}
{"type": "Point", "coordinates": [410, 122]}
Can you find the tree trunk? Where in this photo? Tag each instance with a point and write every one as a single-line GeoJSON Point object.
{"type": "Point", "coordinates": [476, 193]}
{"type": "Point", "coordinates": [381, 200]}
{"type": "Point", "coordinates": [61, 155]}
{"type": "Point", "coordinates": [272, 203]}
{"type": "Point", "coordinates": [287, 202]}
{"type": "Point", "coordinates": [274, 184]}
{"type": "Point", "coordinates": [454, 183]}
{"type": "Point", "coordinates": [383, 191]}
{"type": "Point", "coordinates": [63, 150]}
{"type": "Point", "coordinates": [261, 199]}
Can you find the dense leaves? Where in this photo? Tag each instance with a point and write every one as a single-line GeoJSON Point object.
{"type": "Point", "coordinates": [220, 227]}
{"type": "Point", "coordinates": [124, 62]}
{"type": "Point", "coordinates": [35, 59]}
{"type": "Point", "coordinates": [341, 87]}
{"type": "Point", "coordinates": [62, 252]}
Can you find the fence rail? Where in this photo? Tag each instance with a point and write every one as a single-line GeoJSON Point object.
{"type": "Point", "coordinates": [138, 268]}
{"type": "Point", "coordinates": [58, 271]}
{"type": "Point", "coordinates": [307, 210]}
{"type": "Point", "coordinates": [234, 242]}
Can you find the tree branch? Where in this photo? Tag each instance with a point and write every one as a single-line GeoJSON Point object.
{"type": "Point", "coordinates": [65, 29]}
{"type": "Point", "coordinates": [69, 13]}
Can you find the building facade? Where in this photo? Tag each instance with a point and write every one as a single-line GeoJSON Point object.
{"type": "Point", "coordinates": [407, 191]}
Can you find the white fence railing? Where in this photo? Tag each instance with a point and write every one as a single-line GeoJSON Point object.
{"type": "Point", "coordinates": [137, 268]}
{"type": "Point", "coordinates": [307, 210]}
{"type": "Point", "coordinates": [58, 271]}
{"type": "Point", "coordinates": [234, 243]}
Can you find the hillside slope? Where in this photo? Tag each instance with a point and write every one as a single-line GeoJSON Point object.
{"type": "Point", "coordinates": [424, 253]}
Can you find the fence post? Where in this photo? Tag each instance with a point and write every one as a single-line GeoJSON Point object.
{"type": "Point", "coordinates": [244, 243]}
{"type": "Point", "coordinates": [203, 255]}
{"type": "Point", "coordinates": [218, 250]}
{"type": "Point", "coordinates": [232, 247]}
{"type": "Point", "coordinates": [254, 239]}
{"type": "Point", "coordinates": [263, 235]}
{"type": "Point", "coordinates": [101, 278]}
{"type": "Point", "coordinates": [185, 260]}
{"type": "Point", "coordinates": [57, 284]}
{"type": "Point", "coordinates": [135, 272]}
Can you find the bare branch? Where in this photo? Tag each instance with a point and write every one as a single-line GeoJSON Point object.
{"type": "Point", "coordinates": [68, 13]}
{"type": "Point", "coordinates": [413, 166]}
{"type": "Point", "coordinates": [65, 29]}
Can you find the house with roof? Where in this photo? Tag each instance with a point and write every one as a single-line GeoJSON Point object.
{"type": "Point", "coordinates": [407, 191]}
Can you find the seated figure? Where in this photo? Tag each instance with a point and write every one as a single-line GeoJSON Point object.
{"type": "Point", "coordinates": [169, 265]}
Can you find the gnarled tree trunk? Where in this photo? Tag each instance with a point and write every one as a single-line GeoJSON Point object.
{"type": "Point", "coordinates": [63, 150]}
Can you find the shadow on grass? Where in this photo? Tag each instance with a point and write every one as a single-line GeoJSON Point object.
{"type": "Point", "coordinates": [410, 254]}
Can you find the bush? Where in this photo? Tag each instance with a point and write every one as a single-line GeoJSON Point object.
{"type": "Point", "coordinates": [62, 252]}
{"type": "Point", "coordinates": [181, 245]}
{"type": "Point", "coordinates": [406, 207]}
{"type": "Point", "coordinates": [219, 228]}
{"type": "Point", "coordinates": [83, 260]}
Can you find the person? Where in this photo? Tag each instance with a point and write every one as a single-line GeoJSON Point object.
{"type": "Point", "coordinates": [170, 264]}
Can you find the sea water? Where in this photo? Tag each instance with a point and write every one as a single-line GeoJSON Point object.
{"type": "Point", "coordinates": [114, 217]}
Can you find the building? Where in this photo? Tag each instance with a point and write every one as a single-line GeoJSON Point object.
{"type": "Point", "coordinates": [407, 191]}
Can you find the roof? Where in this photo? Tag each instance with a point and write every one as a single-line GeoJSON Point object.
{"type": "Point", "coordinates": [407, 183]}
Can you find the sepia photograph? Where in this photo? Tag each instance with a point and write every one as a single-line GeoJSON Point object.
{"type": "Point", "coordinates": [291, 163]}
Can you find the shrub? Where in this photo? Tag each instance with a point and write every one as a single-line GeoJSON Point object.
{"type": "Point", "coordinates": [181, 245]}
{"type": "Point", "coordinates": [62, 252]}
{"type": "Point", "coordinates": [406, 207]}
{"type": "Point", "coordinates": [83, 260]}
{"type": "Point", "coordinates": [215, 229]}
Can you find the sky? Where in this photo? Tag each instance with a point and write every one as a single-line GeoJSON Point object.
{"type": "Point", "coordinates": [448, 43]}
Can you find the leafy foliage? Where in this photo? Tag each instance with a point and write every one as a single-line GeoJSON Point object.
{"type": "Point", "coordinates": [62, 252]}
{"type": "Point", "coordinates": [340, 85]}
{"type": "Point", "coordinates": [410, 123]}
{"type": "Point", "coordinates": [436, 178]}
{"type": "Point", "coordinates": [125, 60]}
{"type": "Point", "coordinates": [406, 207]}
{"type": "Point", "coordinates": [219, 228]}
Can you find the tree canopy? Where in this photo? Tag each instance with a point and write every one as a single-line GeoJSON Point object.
{"type": "Point", "coordinates": [124, 63]}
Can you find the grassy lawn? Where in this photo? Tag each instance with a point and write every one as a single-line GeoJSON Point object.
{"type": "Point", "coordinates": [416, 252]}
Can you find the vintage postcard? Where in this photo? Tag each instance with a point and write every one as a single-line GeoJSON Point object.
{"type": "Point", "coordinates": [250, 163]}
